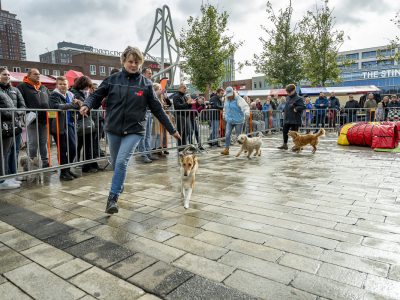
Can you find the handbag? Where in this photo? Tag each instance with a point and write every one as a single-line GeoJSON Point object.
{"type": "Point", "coordinates": [85, 126]}
{"type": "Point", "coordinates": [8, 128]}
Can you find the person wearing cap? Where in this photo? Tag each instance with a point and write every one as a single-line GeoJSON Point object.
{"type": "Point", "coordinates": [235, 112]}
{"type": "Point", "coordinates": [292, 113]}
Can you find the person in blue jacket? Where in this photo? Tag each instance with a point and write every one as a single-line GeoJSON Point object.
{"type": "Point", "coordinates": [321, 105]}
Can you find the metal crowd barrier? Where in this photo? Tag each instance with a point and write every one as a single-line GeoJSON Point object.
{"type": "Point", "coordinates": [91, 145]}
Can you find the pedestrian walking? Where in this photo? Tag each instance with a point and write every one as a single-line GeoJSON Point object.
{"type": "Point", "coordinates": [128, 94]}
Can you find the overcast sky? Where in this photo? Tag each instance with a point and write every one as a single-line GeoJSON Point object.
{"type": "Point", "coordinates": [113, 24]}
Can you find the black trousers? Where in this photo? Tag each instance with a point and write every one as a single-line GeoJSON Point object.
{"type": "Point", "coordinates": [286, 129]}
{"type": "Point", "coordinates": [67, 147]}
{"type": "Point", "coordinates": [183, 125]}
{"type": "Point", "coordinates": [88, 142]}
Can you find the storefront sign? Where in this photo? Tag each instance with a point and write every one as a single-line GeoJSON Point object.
{"type": "Point", "coordinates": [106, 52]}
{"type": "Point", "coordinates": [382, 74]}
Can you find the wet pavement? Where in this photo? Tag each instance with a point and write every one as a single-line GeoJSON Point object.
{"type": "Point", "coordinates": [283, 226]}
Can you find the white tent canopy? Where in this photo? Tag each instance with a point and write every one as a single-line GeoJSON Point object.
{"type": "Point", "coordinates": [363, 89]}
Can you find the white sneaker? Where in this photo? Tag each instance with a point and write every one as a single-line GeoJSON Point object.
{"type": "Point", "coordinates": [8, 185]}
{"type": "Point", "coordinates": [15, 180]}
{"type": "Point", "coordinates": [12, 181]}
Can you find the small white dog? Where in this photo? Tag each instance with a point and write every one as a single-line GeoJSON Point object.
{"type": "Point", "coordinates": [189, 166]}
{"type": "Point", "coordinates": [250, 144]}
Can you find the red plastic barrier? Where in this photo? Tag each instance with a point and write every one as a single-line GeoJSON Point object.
{"type": "Point", "coordinates": [385, 137]}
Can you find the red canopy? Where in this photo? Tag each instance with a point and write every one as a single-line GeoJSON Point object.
{"type": "Point", "coordinates": [17, 78]}
{"type": "Point", "coordinates": [71, 75]}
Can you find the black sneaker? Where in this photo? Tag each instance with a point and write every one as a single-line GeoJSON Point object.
{"type": "Point", "coordinates": [72, 174]}
{"type": "Point", "coordinates": [65, 176]}
{"type": "Point", "coordinates": [112, 207]}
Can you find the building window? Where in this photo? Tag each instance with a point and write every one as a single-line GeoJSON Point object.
{"type": "Point", "coordinates": [17, 69]}
{"type": "Point", "coordinates": [5, 67]}
{"type": "Point", "coordinates": [386, 62]}
{"type": "Point", "coordinates": [109, 70]}
{"type": "Point", "coordinates": [45, 72]}
{"type": "Point", "coordinates": [92, 70]}
{"type": "Point", "coordinates": [369, 64]}
{"type": "Point", "coordinates": [255, 85]}
{"type": "Point", "coordinates": [56, 72]}
{"type": "Point", "coordinates": [352, 56]}
{"type": "Point", "coordinates": [65, 72]}
{"type": "Point", "coordinates": [27, 70]}
{"type": "Point", "coordinates": [386, 52]}
{"type": "Point", "coordinates": [259, 84]}
{"type": "Point", "coordinates": [369, 54]}
{"type": "Point", "coordinates": [102, 70]}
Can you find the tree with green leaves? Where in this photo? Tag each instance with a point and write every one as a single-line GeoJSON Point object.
{"type": "Point", "coordinates": [205, 46]}
{"type": "Point", "coordinates": [389, 52]}
{"type": "Point", "coordinates": [280, 59]}
{"type": "Point", "coordinates": [320, 45]}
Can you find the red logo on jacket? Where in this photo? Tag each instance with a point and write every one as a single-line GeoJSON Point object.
{"type": "Point", "coordinates": [139, 93]}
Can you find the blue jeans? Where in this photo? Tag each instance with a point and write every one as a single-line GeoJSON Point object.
{"type": "Point", "coordinates": [144, 144]}
{"type": "Point", "coordinates": [214, 130]}
{"type": "Point", "coordinates": [121, 150]}
{"type": "Point", "coordinates": [229, 126]}
{"type": "Point", "coordinates": [12, 159]}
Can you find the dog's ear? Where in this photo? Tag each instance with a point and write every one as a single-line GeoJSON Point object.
{"type": "Point", "coordinates": [195, 160]}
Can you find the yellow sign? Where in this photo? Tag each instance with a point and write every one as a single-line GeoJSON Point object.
{"type": "Point", "coordinates": [52, 114]}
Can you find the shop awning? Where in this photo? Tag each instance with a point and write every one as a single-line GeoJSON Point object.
{"type": "Point", "coordinates": [262, 93]}
{"type": "Point", "coordinates": [363, 89]}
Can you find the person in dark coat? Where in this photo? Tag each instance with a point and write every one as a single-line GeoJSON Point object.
{"type": "Point", "coordinates": [183, 107]}
{"type": "Point", "coordinates": [351, 108]}
{"type": "Point", "coordinates": [321, 105]}
{"type": "Point", "coordinates": [334, 107]}
{"type": "Point", "coordinates": [214, 115]}
{"type": "Point", "coordinates": [81, 90]}
{"type": "Point", "coordinates": [9, 94]}
{"type": "Point", "coordinates": [128, 95]}
{"type": "Point", "coordinates": [10, 97]}
{"type": "Point", "coordinates": [36, 96]}
{"type": "Point", "coordinates": [63, 99]}
{"type": "Point", "coordinates": [292, 114]}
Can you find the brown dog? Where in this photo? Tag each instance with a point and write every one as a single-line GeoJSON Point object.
{"type": "Point", "coordinates": [189, 166]}
{"type": "Point", "coordinates": [301, 140]}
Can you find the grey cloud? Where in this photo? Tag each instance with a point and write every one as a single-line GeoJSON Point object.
{"type": "Point", "coordinates": [237, 10]}
{"type": "Point", "coordinates": [353, 11]}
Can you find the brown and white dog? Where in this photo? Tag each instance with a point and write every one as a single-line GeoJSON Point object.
{"type": "Point", "coordinates": [301, 140]}
{"type": "Point", "coordinates": [250, 144]}
{"type": "Point", "coordinates": [189, 166]}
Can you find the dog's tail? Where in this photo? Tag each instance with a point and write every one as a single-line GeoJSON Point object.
{"type": "Point", "coordinates": [320, 132]}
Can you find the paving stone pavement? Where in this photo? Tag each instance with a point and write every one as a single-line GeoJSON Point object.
{"type": "Point", "coordinates": [283, 226]}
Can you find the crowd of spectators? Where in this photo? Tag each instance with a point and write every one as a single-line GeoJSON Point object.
{"type": "Point", "coordinates": [190, 113]}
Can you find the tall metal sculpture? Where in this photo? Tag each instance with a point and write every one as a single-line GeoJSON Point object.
{"type": "Point", "coordinates": [163, 33]}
